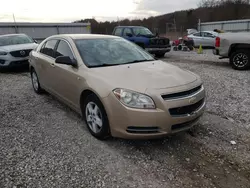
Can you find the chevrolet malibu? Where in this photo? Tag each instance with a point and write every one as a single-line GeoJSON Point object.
{"type": "Point", "coordinates": [119, 89]}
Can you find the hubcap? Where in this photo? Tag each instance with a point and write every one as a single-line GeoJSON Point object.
{"type": "Point", "coordinates": [35, 81]}
{"type": "Point", "coordinates": [240, 60]}
{"type": "Point", "coordinates": [94, 117]}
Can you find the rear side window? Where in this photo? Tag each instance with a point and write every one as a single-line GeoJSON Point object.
{"type": "Point", "coordinates": [63, 49]}
{"type": "Point", "coordinates": [197, 34]}
{"type": "Point", "coordinates": [210, 35]}
{"type": "Point", "coordinates": [48, 48]}
{"type": "Point", "coordinates": [118, 32]}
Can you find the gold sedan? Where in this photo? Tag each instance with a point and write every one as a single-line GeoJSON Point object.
{"type": "Point", "coordinates": [118, 88]}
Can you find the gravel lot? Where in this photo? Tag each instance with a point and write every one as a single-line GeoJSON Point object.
{"type": "Point", "coordinates": [45, 144]}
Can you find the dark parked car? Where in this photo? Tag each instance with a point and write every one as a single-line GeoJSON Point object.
{"type": "Point", "coordinates": [144, 38]}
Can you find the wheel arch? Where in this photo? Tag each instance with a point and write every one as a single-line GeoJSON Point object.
{"type": "Point", "coordinates": [85, 93]}
{"type": "Point", "coordinates": [237, 46]}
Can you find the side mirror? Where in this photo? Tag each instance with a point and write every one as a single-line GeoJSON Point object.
{"type": "Point", "coordinates": [66, 60]}
{"type": "Point", "coordinates": [129, 34]}
{"type": "Point", "coordinates": [35, 41]}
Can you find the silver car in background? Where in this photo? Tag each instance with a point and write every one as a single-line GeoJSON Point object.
{"type": "Point", "coordinates": [15, 49]}
{"type": "Point", "coordinates": [204, 38]}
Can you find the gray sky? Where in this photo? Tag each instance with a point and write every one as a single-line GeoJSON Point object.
{"type": "Point", "coordinates": [68, 11]}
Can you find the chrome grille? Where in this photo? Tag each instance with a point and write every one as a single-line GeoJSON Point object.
{"type": "Point", "coordinates": [181, 94]}
{"type": "Point", "coordinates": [21, 53]}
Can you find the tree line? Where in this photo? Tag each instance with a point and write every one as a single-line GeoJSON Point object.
{"type": "Point", "coordinates": [207, 11]}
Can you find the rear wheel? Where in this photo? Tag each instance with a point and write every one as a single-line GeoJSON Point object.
{"type": "Point", "coordinates": [35, 82]}
{"type": "Point", "coordinates": [96, 117]}
{"type": "Point", "coordinates": [240, 60]}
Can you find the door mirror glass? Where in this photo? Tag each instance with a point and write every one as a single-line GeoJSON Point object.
{"type": "Point", "coordinates": [66, 60]}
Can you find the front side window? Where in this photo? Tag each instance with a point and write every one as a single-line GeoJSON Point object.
{"type": "Point", "coordinates": [63, 49]}
{"type": "Point", "coordinates": [48, 48]}
{"type": "Point", "coordinates": [142, 31]}
{"type": "Point", "coordinates": [127, 31]}
{"type": "Point", "coordinates": [14, 40]}
{"type": "Point", "coordinates": [110, 51]}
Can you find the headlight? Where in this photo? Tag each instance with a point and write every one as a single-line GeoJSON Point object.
{"type": "Point", "coordinates": [133, 99]}
{"type": "Point", "coordinates": [3, 53]}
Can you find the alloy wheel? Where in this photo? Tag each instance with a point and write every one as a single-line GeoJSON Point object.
{"type": "Point", "coordinates": [93, 117]}
{"type": "Point", "coordinates": [240, 60]}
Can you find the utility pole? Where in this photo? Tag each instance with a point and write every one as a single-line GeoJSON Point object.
{"type": "Point", "coordinates": [16, 29]}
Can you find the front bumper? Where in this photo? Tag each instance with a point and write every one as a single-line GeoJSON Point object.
{"type": "Point", "coordinates": [132, 123]}
{"type": "Point", "coordinates": [158, 50]}
{"type": "Point", "coordinates": [9, 61]}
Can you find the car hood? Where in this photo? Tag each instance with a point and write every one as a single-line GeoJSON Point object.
{"type": "Point", "coordinates": [16, 47]}
{"type": "Point", "coordinates": [146, 75]}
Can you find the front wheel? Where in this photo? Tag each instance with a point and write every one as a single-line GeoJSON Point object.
{"type": "Point", "coordinates": [96, 117]}
{"type": "Point", "coordinates": [240, 60]}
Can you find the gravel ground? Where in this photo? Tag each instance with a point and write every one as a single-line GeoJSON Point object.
{"type": "Point", "coordinates": [45, 144]}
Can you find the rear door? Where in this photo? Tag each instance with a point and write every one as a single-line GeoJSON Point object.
{"type": "Point", "coordinates": [118, 31]}
{"type": "Point", "coordinates": [44, 63]}
{"type": "Point", "coordinates": [197, 38]}
{"type": "Point", "coordinates": [65, 79]}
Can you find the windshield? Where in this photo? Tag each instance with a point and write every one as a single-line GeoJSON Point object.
{"type": "Point", "coordinates": [108, 52]}
{"type": "Point", "coordinates": [142, 31]}
{"type": "Point", "coordinates": [15, 39]}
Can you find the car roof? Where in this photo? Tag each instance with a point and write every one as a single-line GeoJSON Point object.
{"type": "Point", "coordinates": [8, 35]}
{"type": "Point", "coordinates": [85, 36]}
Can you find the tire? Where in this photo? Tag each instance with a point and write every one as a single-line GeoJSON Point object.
{"type": "Point", "coordinates": [179, 47]}
{"type": "Point", "coordinates": [96, 118]}
{"type": "Point", "coordinates": [35, 82]}
{"type": "Point", "coordinates": [160, 55]}
{"type": "Point", "coordinates": [240, 60]}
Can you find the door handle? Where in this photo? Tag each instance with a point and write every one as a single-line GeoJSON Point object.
{"type": "Point", "coordinates": [52, 65]}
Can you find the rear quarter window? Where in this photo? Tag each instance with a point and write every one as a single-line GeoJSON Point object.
{"type": "Point", "coordinates": [118, 32]}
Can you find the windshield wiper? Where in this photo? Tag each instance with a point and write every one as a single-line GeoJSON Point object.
{"type": "Point", "coordinates": [138, 61]}
{"type": "Point", "coordinates": [103, 65]}
{"type": "Point", "coordinates": [109, 65]}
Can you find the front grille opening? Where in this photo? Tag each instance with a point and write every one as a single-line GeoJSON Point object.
{"type": "Point", "coordinates": [142, 130]}
{"type": "Point", "coordinates": [182, 125]}
{"type": "Point", "coordinates": [2, 61]}
{"type": "Point", "coordinates": [159, 41]}
{"type": "Point", "coordinates": [20, 53]}
{"type": "Point", "coordinates": [181, 94]}
{"type": "Point", "coordinates": [185, 110]}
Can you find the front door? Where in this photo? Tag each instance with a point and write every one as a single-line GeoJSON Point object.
{"type": "Point", "coordinates": [65, 81]}
{"type": "Point", "coordinates": [209, 39]}
{"type": "Point", "coordinates": [127, 34]}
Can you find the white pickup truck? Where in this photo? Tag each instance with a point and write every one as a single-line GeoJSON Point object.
{"type": "Point", "coordinates": [236, 47]}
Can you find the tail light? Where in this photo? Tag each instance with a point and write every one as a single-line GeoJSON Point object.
{"type": "Point", "coordinates": [217, 42]}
